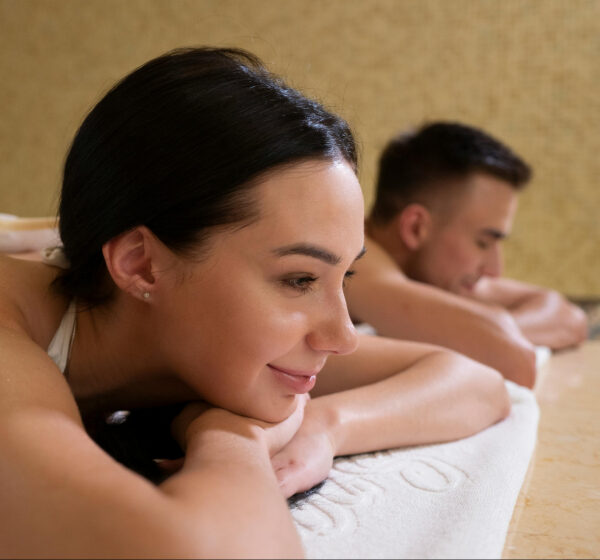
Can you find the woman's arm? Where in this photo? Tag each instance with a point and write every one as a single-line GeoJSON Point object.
{"type": "Point", "coordinates": [62, 496]}
{"type": "Point", "coordinates": [389, 394]}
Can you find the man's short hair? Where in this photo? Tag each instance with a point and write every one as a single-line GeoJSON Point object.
{"type": "Point", "coordinates": [413, 165]}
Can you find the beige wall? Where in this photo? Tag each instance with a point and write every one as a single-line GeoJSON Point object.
{"type": "Point", "coordinates": [528, 71]}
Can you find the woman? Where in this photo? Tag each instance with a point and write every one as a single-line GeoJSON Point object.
{"type": "Point", "coordinates": [210, 216]}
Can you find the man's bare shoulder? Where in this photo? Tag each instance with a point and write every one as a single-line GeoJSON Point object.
{"type": "Point", "coordinates": [377, 262]}
{"type": "Point", "coordinates": [380, 286]}
{"type": "Point", "coordinates": [382, 295]}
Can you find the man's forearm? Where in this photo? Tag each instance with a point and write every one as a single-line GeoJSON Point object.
{"type": "Point", "coordinates": [484, 333]}
{"type": "Point", "coordinates": [546, 318]}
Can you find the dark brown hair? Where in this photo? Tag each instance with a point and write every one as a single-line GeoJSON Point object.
{"type": "Point", "coordinates": [414, 163]}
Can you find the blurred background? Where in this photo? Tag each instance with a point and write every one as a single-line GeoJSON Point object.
{"type": "Point", "coordinates": [528, 72]}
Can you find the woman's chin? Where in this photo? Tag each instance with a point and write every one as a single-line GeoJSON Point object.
{"type": "Point", "coordinates": [275, 413]}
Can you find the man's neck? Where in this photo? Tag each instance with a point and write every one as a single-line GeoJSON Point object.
{"type": "Point", "coordinates": [387, 238]}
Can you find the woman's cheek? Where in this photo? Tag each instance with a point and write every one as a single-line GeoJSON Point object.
{"type": "Point", "coordinates": [281, 331]}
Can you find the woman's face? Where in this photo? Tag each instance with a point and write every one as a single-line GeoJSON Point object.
{"type": "Point", "coordinates": [255, 320]}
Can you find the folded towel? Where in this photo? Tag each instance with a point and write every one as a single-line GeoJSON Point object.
{"type": "Point", "coordinates": [451, 500]}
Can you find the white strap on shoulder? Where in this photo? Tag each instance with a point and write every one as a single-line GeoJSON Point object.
{"type": "Point", "coordinates": [60, 345]}
{"type": "Point", "coordinates": [55, 256]}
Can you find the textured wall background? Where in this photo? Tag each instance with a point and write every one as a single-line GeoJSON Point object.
{"type": "Point", "coordinates": [526, 71]}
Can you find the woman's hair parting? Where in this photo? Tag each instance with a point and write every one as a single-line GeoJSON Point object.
{"type": "Point", "coordinates": [415, 164]}
{"type": "Point", "coordinates": [175, 146]}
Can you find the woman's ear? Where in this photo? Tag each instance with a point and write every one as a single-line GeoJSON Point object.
{"type": "Point", "coordinates": [130, 259]}
{"type": "Point", "coordinates": [413, 226]}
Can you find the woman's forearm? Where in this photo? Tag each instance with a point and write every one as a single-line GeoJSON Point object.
{"type": "Point", "coordinates": [442, 397]}
{"type": "Point", "coordinates": [390, 394]}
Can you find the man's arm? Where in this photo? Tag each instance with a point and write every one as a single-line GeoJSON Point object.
{"type": "Point", "coordinates": [397, 307]}
{"type": "Point", "coordinates": [544, 316]}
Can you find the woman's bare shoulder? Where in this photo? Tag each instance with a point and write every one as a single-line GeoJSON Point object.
{"type": "Point", "coordinates": [29, 316]}
{"type": "Point", "coordinates": [27, 300]}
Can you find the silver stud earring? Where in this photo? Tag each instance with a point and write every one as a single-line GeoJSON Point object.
{"type": "Point", "coordinates": [146, 295]}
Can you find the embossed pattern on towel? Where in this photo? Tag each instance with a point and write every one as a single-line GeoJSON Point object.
{"type": "Point", "coordinates": [451, 500]}
{"type": "Point", "coordinates": [358, 481]}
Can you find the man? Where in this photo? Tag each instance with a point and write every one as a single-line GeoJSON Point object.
{"type": "Point", "coordinates": [446, 199]}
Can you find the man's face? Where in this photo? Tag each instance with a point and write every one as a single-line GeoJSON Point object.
{"type": "Point", "coordinates": [463, 243]}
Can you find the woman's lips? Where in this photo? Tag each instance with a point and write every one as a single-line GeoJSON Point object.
{"type": "Point", "coordinates": [298, 381]}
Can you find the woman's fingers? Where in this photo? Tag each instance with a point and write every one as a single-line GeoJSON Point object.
{"type": "Point", "coordinates": [181, 422]}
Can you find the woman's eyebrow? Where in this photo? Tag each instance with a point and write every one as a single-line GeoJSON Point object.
{"type": "Point", "coordinates": [313, 251]}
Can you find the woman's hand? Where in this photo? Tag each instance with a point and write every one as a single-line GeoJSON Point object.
{"type": "Point", "coordinates": [199, 418]}
{"type": "Point", "coordinates": [307, 459]}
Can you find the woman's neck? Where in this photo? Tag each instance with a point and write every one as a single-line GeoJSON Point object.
{"type": "Point", "coordinates": [115, 362]}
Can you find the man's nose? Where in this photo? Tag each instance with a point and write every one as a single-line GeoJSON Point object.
{"type": "Point", "coordinates": [493, 264]}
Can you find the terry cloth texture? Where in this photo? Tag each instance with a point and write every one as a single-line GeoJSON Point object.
{"type": "Point", "coordinates": [451, 500]}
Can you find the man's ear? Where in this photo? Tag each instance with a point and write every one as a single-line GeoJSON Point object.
{"type": "Point", "coordinates": [413, 226]}
{"type": "Point", "coordinates": [130, 261]}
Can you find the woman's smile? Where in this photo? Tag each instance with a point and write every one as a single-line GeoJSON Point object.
{"type": "Point", "coordinates": [298, 381]}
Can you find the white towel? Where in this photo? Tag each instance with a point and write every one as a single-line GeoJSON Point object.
{"type": "Point", "coordinates": [451, 500]}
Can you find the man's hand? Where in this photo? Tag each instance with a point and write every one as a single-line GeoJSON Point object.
{"type": "Point", "coordinates": [545, 317]}
{"type": "Point", "coordinates": [548, 319]}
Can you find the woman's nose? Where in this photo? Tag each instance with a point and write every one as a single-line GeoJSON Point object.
{"type": "Point", "coordinates": [334, 332]}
